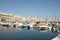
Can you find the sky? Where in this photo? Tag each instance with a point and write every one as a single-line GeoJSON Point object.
{"type": "Point", "coordinates": [31, 8]}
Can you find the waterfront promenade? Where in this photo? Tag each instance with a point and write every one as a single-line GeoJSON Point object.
{"type": "Point", "coordinates": [56, 38]}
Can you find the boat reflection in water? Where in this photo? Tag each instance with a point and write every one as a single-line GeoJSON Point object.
{"type": "Point", "coordinates": [42, 30]}
{"type": "Point", "coordinates": [25, 27]}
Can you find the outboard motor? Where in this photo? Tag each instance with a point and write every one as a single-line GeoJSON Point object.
{"type": "Point", "coordinates": [52, 29]}
{"type": "Point", "coordinates": [14, 26]}
{"type": "Point", "coordinates": [28, 27]}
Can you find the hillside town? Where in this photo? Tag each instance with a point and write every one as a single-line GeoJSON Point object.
{"type": "Point", "coordinates": [15, 17]}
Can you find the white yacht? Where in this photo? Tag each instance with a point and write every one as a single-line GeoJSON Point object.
{"type": "Point", "coordinates": [31, 24]}
{"type": "Point", "coordinates": [44, 26]}
{"type": "Point", "coordinates": [17, 24]}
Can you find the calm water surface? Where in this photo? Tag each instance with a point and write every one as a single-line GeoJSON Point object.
{"type": "Point", "coordinates": [25, 34]}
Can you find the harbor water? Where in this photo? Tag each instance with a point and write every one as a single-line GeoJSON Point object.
{"type": "Point", "coordinates": [26, 34]}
